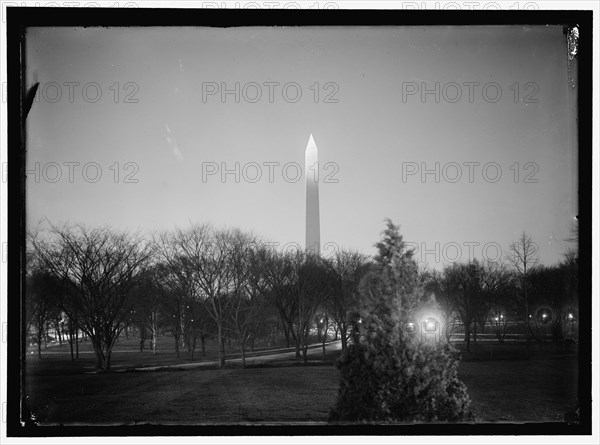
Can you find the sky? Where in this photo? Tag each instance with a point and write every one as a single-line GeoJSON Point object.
{"type": "Point", "coordinates": [141, 109]}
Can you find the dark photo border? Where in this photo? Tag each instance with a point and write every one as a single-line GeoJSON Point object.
{"type": "Point", "coordinates": [20, 18]}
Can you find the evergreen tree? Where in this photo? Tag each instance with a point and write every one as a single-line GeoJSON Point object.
{"type": "Point", "coordinates": [387, 374]}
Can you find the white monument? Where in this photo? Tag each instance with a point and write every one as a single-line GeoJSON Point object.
{"type": "Point", "coordinates": [311, 173]}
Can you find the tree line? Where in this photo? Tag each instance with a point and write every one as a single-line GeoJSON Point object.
{"type": "Point", "coordinates": [517, 292]}
{"type": "Point", "coordinates": [197, 282]}
{"type": "Point", "coordinates": [204, 282]}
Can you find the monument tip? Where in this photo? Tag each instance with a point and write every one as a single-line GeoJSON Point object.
{"type": "Point", "coordinates": [311, 143]}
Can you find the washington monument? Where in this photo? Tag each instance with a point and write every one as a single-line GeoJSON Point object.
{"type": "Point", "coordinates": [311, 172]}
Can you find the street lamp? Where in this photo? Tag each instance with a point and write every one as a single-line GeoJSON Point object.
{"type": "Point", "coordinates": [571, 318]}
{"type": "Point", "coordinates": [411, 328]}
{"type": "Point", "coordinates": [430, 324]}
{"type": "Point", "coordinates": [430, 330]}
{"type": "Point", "coordinates": [544, 316]}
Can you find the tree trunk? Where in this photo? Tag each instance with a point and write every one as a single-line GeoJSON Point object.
{"type": "Point", "coordinates": [526, 323]}
{"type": "Point", "coordinates": [107, 360]}
{"type": "Point", "coordinates": [39, 341]}
{"type": "Point", "coordinates": [76, 341]}
{"type": "Point", "coordinates": [326, 328]}
{"type": "Point", "coordinates": [99, 355]}
{"type": "Point", "coordinates": [58, 332]}
{"type": "Point", "coordinates": [344, 336]}
{"type": "Point", "coordinates": [221, 346]}
{"type": "Point", "coordinates": [468, 337]}
{"type": "Point", "coordinates": [70, 336]}
{"type": "Point", "coordinates": [182, 331]}
{"type": "Point", "coordinates": [176, 337]}
{"type": "Point", "coordinates": [243, 348]}
{"type": "Point", "coordinates": [192, 348]}
{"type": "Point", "coordinates": [304, 340]}
{"type": "Point", "coordinates": [154, 334]}
{"type": "Point", "coordinates": [142, 338]}
{"type": "Point", "coordinates": [286, 334]}
{"type": "Point", "coordinates": [223, 350]}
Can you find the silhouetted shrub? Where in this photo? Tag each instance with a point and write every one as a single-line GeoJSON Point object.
{"type": "Point", "coordinates": [387, 374]}
{"type": "Point", "coordinates": [408, 381]}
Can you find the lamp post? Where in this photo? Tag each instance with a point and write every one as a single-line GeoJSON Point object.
{"type": "Point", "coordinates": [325, 324]}
{"type": "Point", "coordinates": [430, 329]}
{"type": "Point", "coordinates": [571, 318]}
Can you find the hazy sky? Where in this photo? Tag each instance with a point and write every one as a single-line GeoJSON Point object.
{"type": "Point", "coordinates": [157, 112]}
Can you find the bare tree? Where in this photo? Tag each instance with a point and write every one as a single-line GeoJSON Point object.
{"type": "Point", "coordinates": [503, 308]}
{"type": "Point", "coordinates": [347, 269]}
{"type": "Point", "coordinates": [523, 257]}
{"type": "Point", "coordinates": [174, 282]}
{"type": "Point", "coordinates": [201, 257]}
{"type": "Point", "coordinates": [298, 287]}
{"type": "Point", "coordinates": [434, 284]}
{"type": "Point", "coordinates": [72, 330]}
{"type": "Point", "coordinates": [98, 269]}
{"type": "Point", "coordinates": [151, 311]}
{"type": "Point", "coordinates": [461, 285]}
{"type": "Point", "coordinates": [279, 272]}
{"type": "Point", "coordinates": [248, 289]}
{"type": "Point", "coordinates": [469, 290]}
{"type": "Point", "coordinates": [312, 290]}
{"type": "Point", "coordinates": [39, 305]}
{"type": "Point", "coordinates": [496, 289]}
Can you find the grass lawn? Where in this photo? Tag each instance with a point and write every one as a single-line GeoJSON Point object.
{"type": "Point", "coordinates": [285, 394]}
{"type": "Point", "coordinates": [502, 390]}
{"type": "Point", "coordinates": [126, 354]}
{"type": "Point", "coordinates": [536, 390]}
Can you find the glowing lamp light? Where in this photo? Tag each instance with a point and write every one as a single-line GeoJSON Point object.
{"type": "Point", "coordinates": [411, 328]}
{"type": "Point", "coordinates": [496, 319]}
{"type": "Point", "coordinates": [544, 315]}
{"type": "Point", "coordinates": [430, 324]}
{"type": "Point", "coordinates": [570, 316]}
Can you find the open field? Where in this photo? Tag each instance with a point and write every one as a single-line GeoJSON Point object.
{"type": "Point", "coordinates": [56, 359]}
{"type": "Point", "coordinates": [126, 354]}
{"type": "Point", "coordinates": [505, 389]}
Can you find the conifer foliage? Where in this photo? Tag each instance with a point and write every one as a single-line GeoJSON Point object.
{"type": "Point", "coordinates": [388, 374]}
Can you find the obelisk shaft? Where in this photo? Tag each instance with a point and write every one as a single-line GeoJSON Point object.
{"type": "Point", "coordinates": [313, 235]}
